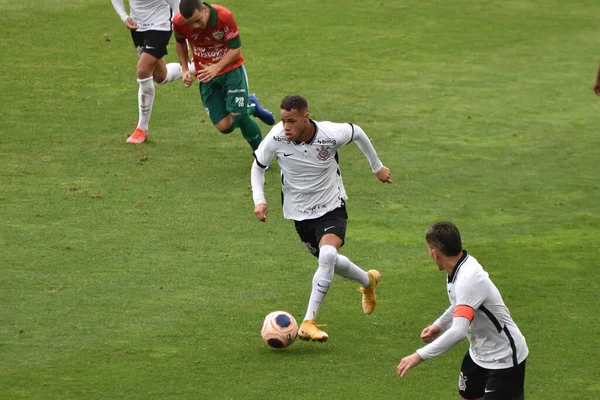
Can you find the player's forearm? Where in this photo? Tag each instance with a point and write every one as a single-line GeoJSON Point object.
{"type": "Point", "coordinates": [182, 54]}
{"type": "Point", "coordinates": [456, 333]}
{"type": "Point", "coordinates": [228, 58]}
{"type": "Point", "coordinates": [119, 7]}
{"type": "Point", "coordinates": [364, 144]}
{"type": "Point", "coordinates": [445, 320]}
{"type": "Point", "coordinates": [257, 181]}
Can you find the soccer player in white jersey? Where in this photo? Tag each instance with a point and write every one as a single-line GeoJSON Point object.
{"type": "Point", "coordinates": [314, 197]}
{"type": "Point", "coordinates": [150, 24]}
{"type": "Point", "coordinates": [494, 366]}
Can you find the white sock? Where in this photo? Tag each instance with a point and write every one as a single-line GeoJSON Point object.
{"type": "Point", "coordinates": [348, 269]}
{"type": "Point", "coordinates": [145, 102]}
{"type": "Point", "coordinates": [321, 280]}
{"type": "Point", "coordinates": [174, 72]}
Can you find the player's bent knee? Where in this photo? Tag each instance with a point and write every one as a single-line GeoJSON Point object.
{"type": "Point", "coordinates": [225, 131]}
{"type": "Point", "coordinates": [240, 118]}
{"type": "Point", "coordinates": [327, 255]}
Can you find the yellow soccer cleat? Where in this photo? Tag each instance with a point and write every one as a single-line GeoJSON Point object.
{"type": "Point", "coordinates": [309, 330]}
{"type": "Point", "coordinates": [369, 299]}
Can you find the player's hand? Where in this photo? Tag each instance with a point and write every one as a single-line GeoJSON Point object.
{"type": "Point", "coordinates": [130, 24]}
{"type": "Point", "coordinates": [384, 175]}
{"type": "Point", "coordinates": [597, 87]}
{"type": "Point", "coordinates": [260, 210]}
{"type": "Point", "coordinates": [207, 72]}
{"type": "Point", "coordinates": [430, 333]}
{"type": "Point", "coordinates": [407, 363]}
{"type": "Point", "coordinates": [187, 79]}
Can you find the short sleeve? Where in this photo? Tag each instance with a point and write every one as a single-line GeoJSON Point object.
{"type": "Point", "coordinates": [471, 291]}
{"type": "Point", "coordinates": [230, 29]}
{"type": "Point", "coordinates": [344, 134]}
{"type": "Point", "coordinates": [265, 152]}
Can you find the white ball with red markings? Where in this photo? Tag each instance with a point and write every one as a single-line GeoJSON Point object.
{"type": "Point", "coordinates": [279, 329]}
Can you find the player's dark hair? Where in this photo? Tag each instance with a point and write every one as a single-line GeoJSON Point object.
{"type": "Point", "coordinates": [188, 7]}
{"type": "Point", "coordinates": [294, 102]}
{"type": "Point", "coordinates": [445, 237]}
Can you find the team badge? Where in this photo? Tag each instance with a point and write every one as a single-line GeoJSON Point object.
{"type": "Point", "coordinates": [310, 248]}
{"type": "Point", "coordinates": [218, 35]}
{"type": "Point", "coordinates": [323, 153]}
{"type": "Point", "coordinates": [462, 382]}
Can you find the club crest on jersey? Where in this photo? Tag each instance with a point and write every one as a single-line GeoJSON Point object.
{"type": "Point", "coordinates": [218, 35]}
{"type": "Point", "coordinates": [309, 247]}
{"type": "Point", "coordinates": [462, 381]}
{"type": "Point", "coordinates": [323, 153]}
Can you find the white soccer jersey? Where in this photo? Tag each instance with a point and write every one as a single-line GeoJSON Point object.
{"type": "Point", "coordinates": [495, 340]}
{"type": "Point", "coordinates": [310, 176]}
{"type": "Point", "coordinates": [149, 15]}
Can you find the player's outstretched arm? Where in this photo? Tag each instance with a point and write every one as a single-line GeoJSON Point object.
{"type": "Point", "coordinates": [364, 144]}
{"type": "Point", "coordinates": [119, 7]}
{"type": "Point", "coordinates": [384, 175]}
{"type": "Point", "coordinates": [260, 210]}
{"type": "Point", "coordinates": [430, 333]}
{"type": "Point", "coordinates": [181, 46]}
{"type": "Point", "coordinates": [407, 363]}
{"type": "Point", "coordinates": [257, 181]}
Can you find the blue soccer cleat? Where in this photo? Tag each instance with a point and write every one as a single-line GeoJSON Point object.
{"type": "Point", "coordinates": [261, 113]}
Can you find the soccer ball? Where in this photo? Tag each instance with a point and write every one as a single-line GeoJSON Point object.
{"type": "Point", "coordinates": [279, 329]}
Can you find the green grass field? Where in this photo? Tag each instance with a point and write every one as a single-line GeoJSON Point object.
{"type": "Point", "coordinates": [140, 272]}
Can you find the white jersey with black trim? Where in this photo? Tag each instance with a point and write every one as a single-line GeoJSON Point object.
{"type": "Point", "coordinates": [310, 176]}
{"type": "Point", "coordinates": [149, 15]}
{"type": "Point", "coordinates": [495, 340]}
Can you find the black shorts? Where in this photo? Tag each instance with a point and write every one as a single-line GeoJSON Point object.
{"type": "Point", "coordinates": [491, 384]}
{"type": "Point", "coordinates": [312, 230]}
{"type": "Point", "coordinates": [151, 42]}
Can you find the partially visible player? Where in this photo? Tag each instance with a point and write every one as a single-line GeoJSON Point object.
{"type": "Point", "coordinates": [494, 366]}
{"type": "Point", "coordinates": [150, 25]}
{"type": "Point", "coordinates": [313, 195]}
{"type": "Point", "coordinates": [597, 83]}
{"type": "Point", "coordinates": [213, 35]}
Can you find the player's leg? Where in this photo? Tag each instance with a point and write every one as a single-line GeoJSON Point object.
{"type": "Point", "coordinates": [336, 223]}
{"type": "Point", "coordinates": [471, 380]}
{"type": "Point", "coordinates": [506, 384]}
{"type": "Point", "coordinates": [213, 100]}
{"type": "Point", "coordinates": [151, 47]}
{"type": "Point", "coordinates": [235, 86]}
{"type": "Point", "coordinates": [320, 283]}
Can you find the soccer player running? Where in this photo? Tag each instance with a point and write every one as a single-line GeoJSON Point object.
{"type": "Point", "coordinates": [494, 366]}
{"type": "Point", "coordinates": [215, 40]}
{"type": "Point", "coordinates": [150, 25]}
{"type": "Point", "coordinates": [314, 197]}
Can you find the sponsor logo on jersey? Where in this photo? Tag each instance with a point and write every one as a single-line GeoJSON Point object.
{"type": "Point", "coordinates": [323, 153]}
{"type": "Point", "coordinates": [218, 35]}
{"type": "Point", "coordinates": [280, 139]}
{"type": "Point", "coordinates": [326, 141]}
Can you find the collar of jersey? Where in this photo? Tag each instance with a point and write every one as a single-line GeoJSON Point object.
{"type": "Point", "coordinates": [457, 267]}
{"type": "Point", "coordinates": [213, 15]}
{"type": "Point", "coordinates": [312, 139]}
